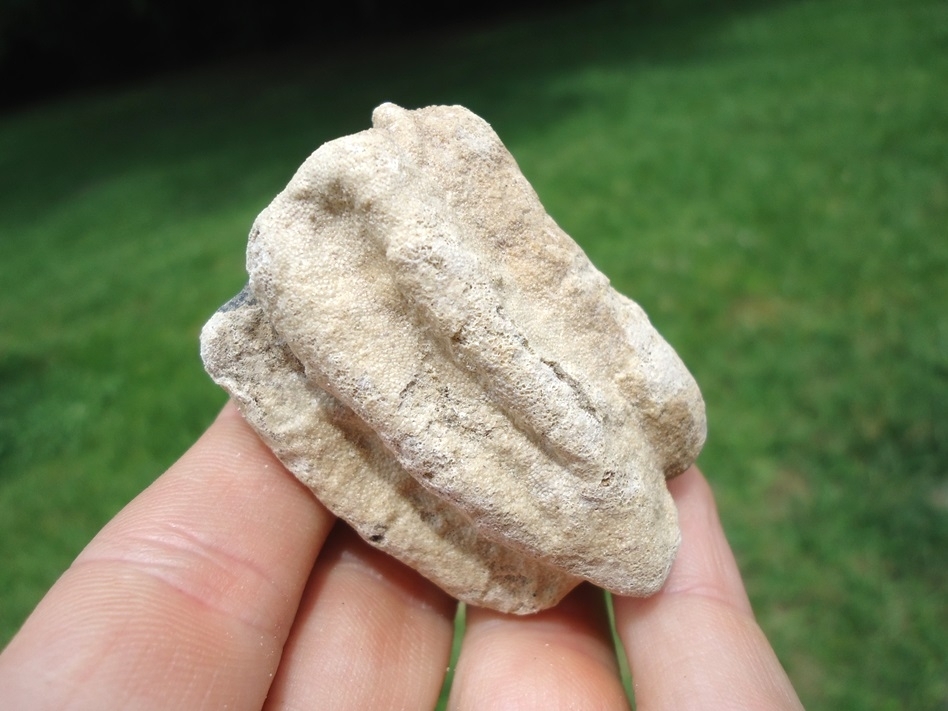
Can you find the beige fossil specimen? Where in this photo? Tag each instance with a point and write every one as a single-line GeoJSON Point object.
{"type": "Point", "coordinates": [441, 364]}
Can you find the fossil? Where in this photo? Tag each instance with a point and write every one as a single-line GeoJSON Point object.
{"type": "Point", "coordinates": [443, 366]}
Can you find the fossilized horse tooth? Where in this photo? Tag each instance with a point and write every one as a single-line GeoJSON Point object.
{"type": "Point", "coordinates": [441, 364]}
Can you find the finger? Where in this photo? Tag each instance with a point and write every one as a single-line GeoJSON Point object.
{"type": "Point", "coordinates": [185, 599]}
{"type": "Point", "coordinates": [695, 644]}
{"type": "Point", "coordinates": [370, 634]}
{"type": "Point", "coordinates": [562, 658]}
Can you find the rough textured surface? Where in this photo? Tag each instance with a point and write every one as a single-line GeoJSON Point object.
{"type": "Point", "coordinates": [429, 352]}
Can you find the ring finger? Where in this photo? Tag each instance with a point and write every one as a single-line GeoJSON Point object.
{"type": "Point", "coordinates": [562, 658]}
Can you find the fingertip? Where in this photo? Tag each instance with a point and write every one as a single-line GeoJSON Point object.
{"type": "Point", "coordinates": [704, 564]}
{"type": "Point", "coordinates": [695, 644]}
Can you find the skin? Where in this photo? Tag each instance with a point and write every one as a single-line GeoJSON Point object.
{"type": "Point", "coordinates": [225, 584]}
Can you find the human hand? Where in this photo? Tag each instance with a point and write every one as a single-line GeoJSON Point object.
{"type": "Point", "coordinates": [226, 584]}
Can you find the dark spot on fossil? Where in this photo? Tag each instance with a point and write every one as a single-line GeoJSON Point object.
{"type": "Point", "coordinates": [243, 298]}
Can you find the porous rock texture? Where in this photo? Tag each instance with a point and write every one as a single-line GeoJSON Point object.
{"type": "Point", "coordinates": [441, 364]}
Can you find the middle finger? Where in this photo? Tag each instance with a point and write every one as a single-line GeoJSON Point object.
{"type": "Point", "coordinates": [370, 633]}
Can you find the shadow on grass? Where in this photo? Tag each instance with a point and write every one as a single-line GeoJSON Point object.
{"type": "Point", "coordinates": [266, 113]}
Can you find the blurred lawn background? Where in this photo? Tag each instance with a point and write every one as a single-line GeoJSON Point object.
{"type": "Point", "coordinates": [769, 181]}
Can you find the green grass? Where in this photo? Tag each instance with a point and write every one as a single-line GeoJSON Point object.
{"type": "Point", "coordinates": [770, 182]}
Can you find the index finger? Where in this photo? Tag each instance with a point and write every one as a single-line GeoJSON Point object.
{"type": "Point", "coordinates": [185, 599]}
{"type": "Point", "coordinates": [696, 644]}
